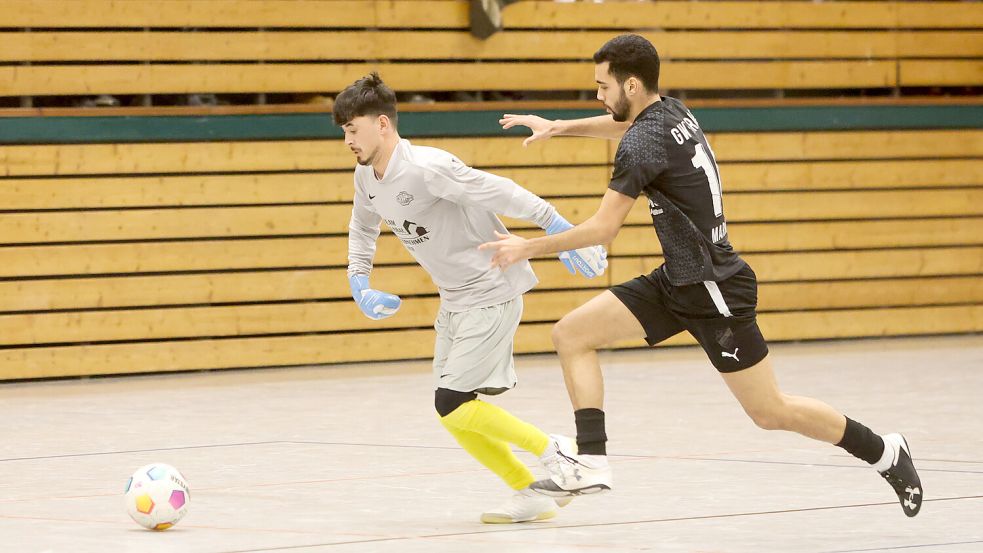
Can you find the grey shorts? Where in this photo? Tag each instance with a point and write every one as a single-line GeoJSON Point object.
{"type": "Point", "coordinates": [473, 352]}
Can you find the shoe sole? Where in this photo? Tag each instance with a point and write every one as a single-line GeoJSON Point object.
{"type": "Point", "coordinates": [489, 518]}
{"type": "Point", "coordinates": [558, 492]}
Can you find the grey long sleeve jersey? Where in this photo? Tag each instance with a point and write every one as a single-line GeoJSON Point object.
{"type": "Point", "coordinates": [442, 210]}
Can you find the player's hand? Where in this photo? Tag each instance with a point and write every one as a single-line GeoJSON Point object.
{"type": "Point", "coordinates": [373, 303]}
{"type": "Point", "coordinates": [590, 261]}
{"type": "Point", "coordinates": [508, 250]}
{"type": "Point", "coordinates": [542, 129]}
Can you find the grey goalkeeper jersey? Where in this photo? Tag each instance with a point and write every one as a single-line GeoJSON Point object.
{"type": "Point", "coordinates": [442, 210]}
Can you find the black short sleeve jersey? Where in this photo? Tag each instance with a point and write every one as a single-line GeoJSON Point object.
{"type": "Point", "coordinates": [665, 155]}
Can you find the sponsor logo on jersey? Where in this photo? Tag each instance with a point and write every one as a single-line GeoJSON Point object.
{"type": "Point", "coordinates": [654, 208]}
{"type": "Point", "coordinates": [409, 232]}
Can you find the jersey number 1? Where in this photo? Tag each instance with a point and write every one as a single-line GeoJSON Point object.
{"type": "Point", "coordinates": [703, 161]}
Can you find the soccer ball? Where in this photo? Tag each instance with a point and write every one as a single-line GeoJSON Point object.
{"type": "Point", "coordinates": [157, 496]}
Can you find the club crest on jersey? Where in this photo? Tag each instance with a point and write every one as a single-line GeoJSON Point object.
{"type": "Point", "coordinates": [404, 198]}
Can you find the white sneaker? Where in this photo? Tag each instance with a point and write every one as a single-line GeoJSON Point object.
{"type": "Point", "coordinates": [572, 474]}
{"type": "Point", "coordinates": [525, 506]}
{"type": "Point", "coordinates": [550, 459]}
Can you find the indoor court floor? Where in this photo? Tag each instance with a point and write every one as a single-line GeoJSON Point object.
{"type": "Point", "coordinates": [352, 458]}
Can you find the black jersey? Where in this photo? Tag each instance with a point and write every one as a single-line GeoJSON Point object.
{"type": "Point", "coordinates": [665, 155]}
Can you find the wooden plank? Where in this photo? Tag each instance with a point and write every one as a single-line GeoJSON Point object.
{"type": "Point", "coordinates": [920, 15]}
{"type": "Point", "coordinates": [668, 14]}
{"type": "Point", "coordinates": [237, 287]}
{"type": "Point", "coordinates": [229, 190]}
{"type": "Point", "coordinates": [451, 14]}
{"type": "Point", "coordinates": [46, 362]}
{"type": "Point", "coordinates": [181, 190]}
{"type": "Point", "coordinates": [60, 46]}
{"type": "Point", "coordinates": [843, 145]}
{"type": "Point", "coordinates": [503, 106]}
{"type": "Point", "coordinates": [234, 13]}
{"type": "Point", "coordinates": [792, 296]}
{"type": "Point", "coordinates": [318, 284]}
{"type": "Point", "coordinates": [817, 175]}
{"type": "Point", "coordinates": [206, 255]}
{"type": "Point", "coordinates": [181, 157]}
{"type": "Point", "coordinates": [42, 80]}
{"type": "Point", "coordinates": [244, 320]}
{"type": "Point", "coordinates": [320, 155]}
{"type": "Point", "coordinates": [826, 235]}
{"type": "Point", "coordinates": [294, 318]}
{"type": "Point", "coordinates": [853, 204]}
{"type": "Point", "coordinates": [285, 155]}
{"type": "Point", "coordinates": [836, 265]}
{"type": "Point", "coordinates": [548, 182]}
{"type": "Point", "coordinates": [940, 44]}
{"type": "Point", "coordinates": [940, 73]}
{"type": "Point", "coordinates": [816, 205]}
{"type": "Point", "coordinates": [237, 78]}
{"type": "Point", "coordinates": [282, 253]}
{"type": "Point", "coordinates": [80, 226]}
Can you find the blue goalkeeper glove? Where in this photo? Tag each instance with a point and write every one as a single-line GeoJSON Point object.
{"type": "Point", "coordinates": [590, 261]}
{"type": "Point", "coordinates": [373, 303]}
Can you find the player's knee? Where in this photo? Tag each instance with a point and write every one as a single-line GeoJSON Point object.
{"type": "Point", "coordinates": [446, 401]}
{"type": "Point", "coordinates": [565, 334]}
{"type": "Point", "coordinates": [768, 417]}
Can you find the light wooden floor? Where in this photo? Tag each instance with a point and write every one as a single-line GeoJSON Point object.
{"type": "Point", "coordinates": [351, 459]}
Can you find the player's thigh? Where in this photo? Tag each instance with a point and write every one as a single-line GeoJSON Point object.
{"type": "Point", "coordinates": [755, 387]}
{"type": "Point", "coordinates": [601, 321]}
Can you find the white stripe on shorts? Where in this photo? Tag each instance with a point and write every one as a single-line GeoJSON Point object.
{"type": "Point", "coordinates": [717, 297]}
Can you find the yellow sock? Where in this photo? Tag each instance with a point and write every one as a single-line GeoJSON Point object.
{"type": "Point", "coordinates": [494, 454]}
{"type": "Point", "coordinates": [497, 423]}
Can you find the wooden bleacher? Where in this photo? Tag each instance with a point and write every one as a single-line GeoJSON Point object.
{"type": "Point", "coordinates": [236, 257]}
{"type": "Point", "coordinates": [133, 257]}
{"type": "Point", "coordinates": [172, 46]}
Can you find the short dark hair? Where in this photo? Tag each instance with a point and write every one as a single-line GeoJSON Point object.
{"type": "Point", "coordinates": [366, 96]}
{"type": "Point", "coordinates": [631, 55]}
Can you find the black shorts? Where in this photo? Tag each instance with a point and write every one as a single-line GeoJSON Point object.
{"type": "Point", "coordinates": [720, 315]}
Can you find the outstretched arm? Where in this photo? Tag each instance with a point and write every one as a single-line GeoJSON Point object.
{"type": "Point", "coordinates": [600, 228]}
{"type": "Point", "coordinates": [465, 185]}
{"type": "Point", "coordinates": [602, 126]}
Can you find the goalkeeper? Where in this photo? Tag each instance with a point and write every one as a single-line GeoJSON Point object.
{"type": "Point", "coordinates": [442, 210]}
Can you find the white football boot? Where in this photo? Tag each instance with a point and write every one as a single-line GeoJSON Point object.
{"type": "Point", "coordinates": [550, 459]}
{"type": "Point", "coordinates": [524, 506]}
{"type": "Point", "coordinates": [572, 474]}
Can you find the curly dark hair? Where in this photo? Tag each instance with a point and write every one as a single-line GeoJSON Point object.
{"type": "Point", "coordinates": [366, 96]}
{"type": "Point", "coordinates": [631, 55]}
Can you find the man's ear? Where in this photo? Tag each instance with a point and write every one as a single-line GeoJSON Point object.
{"type": "Point", "coordinates": [384, 122]}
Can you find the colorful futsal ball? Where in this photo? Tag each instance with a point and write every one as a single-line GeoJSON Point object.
{"type": "Point", "coordinates": [157, 496]}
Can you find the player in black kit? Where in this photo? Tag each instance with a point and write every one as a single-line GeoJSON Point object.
{"type": "Point", "coordinates": [704, 287]}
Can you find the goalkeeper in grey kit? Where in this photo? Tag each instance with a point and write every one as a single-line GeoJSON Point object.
{"type": "Point", "coordinates": [442, 210]}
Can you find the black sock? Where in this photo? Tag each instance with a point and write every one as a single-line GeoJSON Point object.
{"type": "Point", "coordinates": [591, 438]}
{"type": "Point", "coordinates": [861, 442]}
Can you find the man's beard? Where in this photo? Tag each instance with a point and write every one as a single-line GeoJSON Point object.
{"type": "Point", "coordinates": [621, 109]}
{"type": "Point", "coordinates": [368, 159]}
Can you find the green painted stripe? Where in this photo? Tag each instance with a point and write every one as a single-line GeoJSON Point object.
{"type": "Point", "coordinates": [48, 130]}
